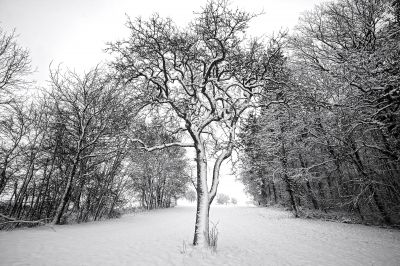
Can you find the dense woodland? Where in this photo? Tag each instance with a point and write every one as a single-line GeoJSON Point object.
{"type": "Point", "coordinates": [334, 145]}
{"type": "Point", "coordinates": [312, 115]}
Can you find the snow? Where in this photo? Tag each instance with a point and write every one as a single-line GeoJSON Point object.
{"type": "Point", "coordinates": [247, 236]}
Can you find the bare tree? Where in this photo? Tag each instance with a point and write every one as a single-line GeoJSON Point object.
{"type": "Point", "coordinates": [91, 111]}
{"type": "Point", "coordinates": [222, 198]}
{"type": "Point", "coordinates": [234, 201]}
{"type": "Point", "coordinates": [14, 65]}
{"type": "Point", "coordinates": [190, 195]}
{"type": "Point", "coordinates": [204, 78]}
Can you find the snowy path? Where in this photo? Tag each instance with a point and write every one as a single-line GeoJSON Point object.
{"type": "Point", "coordinates": [248, 236]}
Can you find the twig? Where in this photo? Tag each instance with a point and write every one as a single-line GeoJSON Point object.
{"type": "Point", "coordinates": [13, 220]}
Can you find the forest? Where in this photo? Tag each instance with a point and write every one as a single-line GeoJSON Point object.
{"type": "Point", "coordinates": [310, 119]}
{"type": "Point", "coordinates": [334, 143]}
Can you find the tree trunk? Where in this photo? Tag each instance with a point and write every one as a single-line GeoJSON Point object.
{"type": "Point", "coordinates": [19, 198]}
{"type": "Point", "coordinates": [67, 192]}
{"type": "Point", "coordinates": [378, 201]}
{"type": "Point", "coordinates": [3, 178]}
{"type": "Point", "coordinates": [204, 196]}
{"type": "Point", "coordinates": [286, 178]}
{"type": "Point", "coordinates": [203, 203]}
{"type": "Point", "coordinates": [264, 194]}
{"type": "Point", "coordinates": [308, 185]}
{"type": "Point", "coordinates": [289, 189]}
{"type": "Point", "coordinates": [312, 197]}
{"type": "Point", "coordinates": [381, 206]}
{"type": "Point", "coordinates": [274, 191]}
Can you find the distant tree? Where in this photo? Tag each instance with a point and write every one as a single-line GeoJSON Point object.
{"type": "Point", "coordinates": [160, 176]}
{"type": "Point", "coordinates": [234, 201]}
{"type": "Point", "coordinates": [222, 198]}
{"type": "Point", "coordinates": [190, 195]}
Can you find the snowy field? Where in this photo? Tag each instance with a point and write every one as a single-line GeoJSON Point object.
{"type": "Point", "coordinates": [247, 236]}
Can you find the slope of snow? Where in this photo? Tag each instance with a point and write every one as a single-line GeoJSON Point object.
{"type": "Point", "coordinates": [247, 236]}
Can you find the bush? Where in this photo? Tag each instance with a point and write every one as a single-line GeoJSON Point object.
{"type": "Point", "coordinates": [213, 237]}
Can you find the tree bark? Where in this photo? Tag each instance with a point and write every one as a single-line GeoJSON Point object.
{"type": "Point", "coordinates": [202, 212]}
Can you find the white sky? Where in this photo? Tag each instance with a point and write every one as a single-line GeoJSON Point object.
{"type": "Point", "coordinates": [74, 32]}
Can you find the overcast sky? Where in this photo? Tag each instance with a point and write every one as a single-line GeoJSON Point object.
{"type": "Point", "coordinates": [74, 32]}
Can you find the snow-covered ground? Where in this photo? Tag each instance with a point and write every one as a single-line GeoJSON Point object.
{"type": "Point", "coordinates": [247, 236]}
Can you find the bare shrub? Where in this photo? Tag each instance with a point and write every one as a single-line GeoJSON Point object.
{"type": "Point", "coordinates": [213, 237]}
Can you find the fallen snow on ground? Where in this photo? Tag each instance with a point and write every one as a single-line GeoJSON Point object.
{"type": "Point", "coordinates": [247, 236]}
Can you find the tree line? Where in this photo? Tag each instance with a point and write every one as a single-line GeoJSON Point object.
{"type": "Point", "coordinates": [334, 145]}
{"type": "Point", "coordinates": [66, 153]}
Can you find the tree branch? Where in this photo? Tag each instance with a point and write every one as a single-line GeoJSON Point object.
{"type": "Point", "coordinates": [162, 146]}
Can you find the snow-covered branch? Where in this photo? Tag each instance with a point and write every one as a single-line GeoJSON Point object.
{"type": "Point", "coordinates": [162, 146]}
